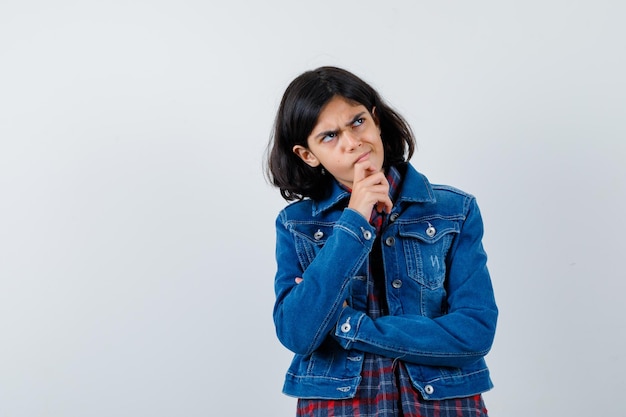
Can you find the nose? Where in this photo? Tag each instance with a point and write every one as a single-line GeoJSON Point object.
{"type": "Point", "coordinates": [351, 141]}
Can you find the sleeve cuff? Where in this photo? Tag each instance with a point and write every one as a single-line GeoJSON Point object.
{"type": "Point", "coordinates": [352, 221]}
{"type": "Point", "coordinates": [348, 326]}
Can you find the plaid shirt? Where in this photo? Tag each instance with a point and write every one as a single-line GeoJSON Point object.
{"type": "Point", "coordinates": [386, 389]}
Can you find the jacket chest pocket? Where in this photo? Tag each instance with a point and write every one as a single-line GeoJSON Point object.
{"type": "Point", "coordinates": [309, 239]}
{"type": "Point", "coordinates": [426, 245]}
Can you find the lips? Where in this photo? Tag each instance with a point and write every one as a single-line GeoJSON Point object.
{"type": "Point", "coordinates": [363, 157]}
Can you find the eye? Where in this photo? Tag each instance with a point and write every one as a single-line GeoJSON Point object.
{"type": "Point", "coordinates": [358, 122]}
{"type": "Point", "coordinates": [329, 137]}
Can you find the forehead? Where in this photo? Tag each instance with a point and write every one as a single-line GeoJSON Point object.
{"type": "Point", "coordinates": [339, 110]}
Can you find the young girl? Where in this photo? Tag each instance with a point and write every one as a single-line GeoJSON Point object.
{"type": "Point", "coordinates": [382, 288]}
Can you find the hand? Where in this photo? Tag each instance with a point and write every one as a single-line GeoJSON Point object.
{"type": "Point", "coordinates": [369, 188]}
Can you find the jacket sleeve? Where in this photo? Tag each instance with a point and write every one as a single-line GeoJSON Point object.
{"type": "Point", "coordinates": [305, 314]}
{"type": "Point", "coordinates": [461, 336]}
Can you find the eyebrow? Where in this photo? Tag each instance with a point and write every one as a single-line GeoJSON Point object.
{"type": "Point", "coordinates": [351, 122]}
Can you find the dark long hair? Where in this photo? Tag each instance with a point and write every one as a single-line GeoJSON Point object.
{"type": "Point", "coordinates": [297, 115]}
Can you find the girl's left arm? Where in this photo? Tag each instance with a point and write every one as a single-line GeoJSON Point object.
{"type": "Point", "coordinates": [463, 335]}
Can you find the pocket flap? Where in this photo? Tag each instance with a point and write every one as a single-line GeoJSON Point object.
{"type": "Point", "coordinates": [429, 231]}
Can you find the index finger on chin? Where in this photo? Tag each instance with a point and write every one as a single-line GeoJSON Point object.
{"type": "Point", "coordinates": [359, 171]}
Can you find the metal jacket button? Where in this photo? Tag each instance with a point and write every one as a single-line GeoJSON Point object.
{"type": "Point", "coordinates": [390, 241]}
{"type": "Point", "coordinates": [318, 235]}
{"type": "Point", "coordinates": [429, 389]}
{"type": "Point", "coordinates": [396, 283]}
{"type": "Point", "coordinates": [345, 328]}
{"type": "Point", "coordinates": [431, 230]}
{"type": "Point", "coordinates": [393, 217]}
{"type": "Point", "coordinates": [367, 234]}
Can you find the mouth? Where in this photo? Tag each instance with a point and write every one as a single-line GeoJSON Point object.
{"type": "Point", "coordinates": [363, 157]}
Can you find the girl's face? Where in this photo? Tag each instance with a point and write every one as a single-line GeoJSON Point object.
{"type": "Point", "coordinates": [345, 133]}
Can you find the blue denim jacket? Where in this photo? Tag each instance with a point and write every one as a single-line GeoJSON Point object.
{"type": "Point", "coordinates": [442, 312]}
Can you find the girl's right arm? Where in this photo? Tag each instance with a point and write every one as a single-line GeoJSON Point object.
{"type": "Point", "coordinates": [305, 313]}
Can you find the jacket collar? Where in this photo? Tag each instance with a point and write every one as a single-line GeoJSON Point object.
{"type": "Point", "coordinates": [337, 195]}
{"type": "Point", "coordinates": [415, 188]}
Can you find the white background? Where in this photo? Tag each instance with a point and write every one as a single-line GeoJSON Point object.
{"type": "Point", "coordinates": [137, 230]}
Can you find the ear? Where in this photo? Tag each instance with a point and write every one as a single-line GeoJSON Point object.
{"type": "Point", "coordinates": [375, 117]}
{"type": "Point", "coordinates": [306, 155]}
